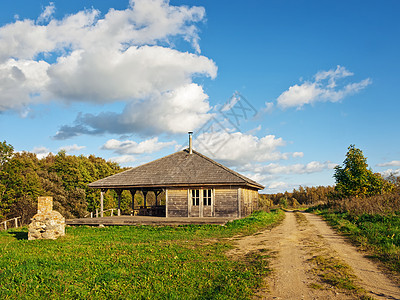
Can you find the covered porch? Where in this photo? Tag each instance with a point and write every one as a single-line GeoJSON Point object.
{"type": "Point", "coordinates": [156, 209]}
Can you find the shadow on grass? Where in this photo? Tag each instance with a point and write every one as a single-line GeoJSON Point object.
{"type": "Point", "coordinates": [19, 235]}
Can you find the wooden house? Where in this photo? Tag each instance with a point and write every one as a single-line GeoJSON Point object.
{"type": "Point", "coordinates": [194, 186]}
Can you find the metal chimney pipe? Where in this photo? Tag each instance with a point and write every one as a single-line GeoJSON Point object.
{"type": "Point", "coordinates": [190, 142]}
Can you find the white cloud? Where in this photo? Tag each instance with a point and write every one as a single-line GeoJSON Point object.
{"type": "Point", "coordinates": [238, 148]}
{"type": "Point", "coordinates": [269, 106]}
{"type": "Point", "coordinates": [393, 163]}
{"type": "Point", "coordinates": [278, 169]}
{"type": "Point", "coordinates": [47, 13]}
{"type": "Point", "coordinates": [278, 185]}
{"type": "Point", "coordinates": [297, 154]}
{"type": "Point", "coordinates": [41, 152]}
{"type": "Point", "coordinates": [123, 159]}
{"type": "Point", "coordinates": [119, 57]}
{"type": "Point", "coordinates": [323, 88]}
{"type": "Point", "coordinates": [132, 147]}
{"type": "Point", "coordinates": [177, 111]}
{"type": "Point", "coordinates": [388, 172]}
{"type": "Point", "coordinates": [72, 148]}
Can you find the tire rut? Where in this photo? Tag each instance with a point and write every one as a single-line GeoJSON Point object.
{"type": "Point", "coordinates": [289, 245]}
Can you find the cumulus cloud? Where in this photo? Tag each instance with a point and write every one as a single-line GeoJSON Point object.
{"type": "Point", "coordinates": [393, 163]}
{"type": "Point", "coordinates": [127, 56]}
{"type": "Point", "coordinates": [72, 148]}
{"type": "Point", "coordinates": [123, 159]}
{"type": "Point", "coordinates": [177, 111]}
{"type": "Point", "coordinates": [275, 168]}
{"type": "Point", "coordinates": [132, 147]}
{"type": "Point", "coordinates": [47, 13]}
{"type": "Point", "coordinates": [41, 152]}
{"type": "Point", "coordinates": [389, 172]}
{"type": "Point", "coordinates": [297, 154]}
{"type": "Point", "coordinates": [239, 148]}
{"type": "Point", "coordinates": [324, 87]}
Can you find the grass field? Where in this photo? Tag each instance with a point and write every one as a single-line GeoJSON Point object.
{"type": "Point", "coordinates": [378, 234]}
{"type": "Point", "coordinates": [133, 262]}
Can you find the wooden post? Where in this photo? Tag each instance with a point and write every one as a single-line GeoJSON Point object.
{"type": "Point", "coordinates": [133, 192]}
{"type": "Point", "coordinates": [16, 222]}
{"type": "Point", "coordinates": [239, 203]}
{"type": "Point", "coordinates": [101, 204]}
{"type": "Point", "coordinates": [166, 203]}
{"type": "Point", "coordinates": [119, 193]}
{"type": "Point", "coordinates": [156, 193]}
{"type": "Point", "coordinates": [5, 225]}
{"type": "Point", "coordinates": [144, 198]}
{"type": "Point", "coordinates": [97, 212]}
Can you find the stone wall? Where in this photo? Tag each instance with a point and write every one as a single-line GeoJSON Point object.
{"type": "Point", "coordinates": [47, 223]}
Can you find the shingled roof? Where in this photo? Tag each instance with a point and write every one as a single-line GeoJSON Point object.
{"type": "Point", "coordinates": [179, 169]}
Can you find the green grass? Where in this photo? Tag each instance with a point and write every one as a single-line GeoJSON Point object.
{"type": "Point", "coordinates": [376, 233]}
{"type": "Point", "coordinates": [133, 262]}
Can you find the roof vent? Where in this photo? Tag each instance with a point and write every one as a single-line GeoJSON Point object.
{"type": "Point", "coordinates": [190, 142]}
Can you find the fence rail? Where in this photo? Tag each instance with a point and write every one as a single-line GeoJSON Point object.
{"type": "Point", "coordinates": [9, 220]}
{"type": "Point", "coordinates": [97, 213]}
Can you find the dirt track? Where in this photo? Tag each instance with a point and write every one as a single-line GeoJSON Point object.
{"type": "Point", "coordinates": [292, 247]}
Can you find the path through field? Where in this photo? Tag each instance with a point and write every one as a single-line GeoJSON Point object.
{"type": "Point", "coordinates": [294, 244]}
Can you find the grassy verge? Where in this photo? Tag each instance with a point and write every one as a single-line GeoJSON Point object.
{"type": "Point", "coordinates": [330, 271]}
{"type": "Point", "coordinates": [187, 262]}
{"type": "Point", "coordinates": [379, 235]}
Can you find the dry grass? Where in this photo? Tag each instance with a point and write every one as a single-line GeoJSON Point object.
{"type": "Point", "coordinates": [387, 204]}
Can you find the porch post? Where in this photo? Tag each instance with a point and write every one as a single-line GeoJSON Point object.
{"type": "Point", "coordinates": [119, 192]}
{"type": "Point", "coordinates": [144, 198]}
{"type": "Point", "coordinates": [166, 203]}
{"type": "Point", "coordinates": [101, 202]}
{"type": "Point", "coordinates": [156, 193]}
{"type": "Point", "coordinates": [133, 192]}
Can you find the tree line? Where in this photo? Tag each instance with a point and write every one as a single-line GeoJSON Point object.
{"type": "Point", "coordinates": [24, 177]}
{"type": "Point", "coordinates": [358, 189]}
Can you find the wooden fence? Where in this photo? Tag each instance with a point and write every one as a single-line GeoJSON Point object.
{"type": "Point", "coordinates": [4, 223]}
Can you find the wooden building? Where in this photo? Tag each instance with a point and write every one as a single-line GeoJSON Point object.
{"type": "Point", "coordinates": [194, 186]}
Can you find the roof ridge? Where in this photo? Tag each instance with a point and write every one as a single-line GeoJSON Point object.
{"type": "Point", "coordinates": [246, 179]}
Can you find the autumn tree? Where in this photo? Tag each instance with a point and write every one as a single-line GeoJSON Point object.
{"type": "Point", "coordinates": [354, 179]}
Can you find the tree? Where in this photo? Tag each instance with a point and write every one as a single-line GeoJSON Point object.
{"type": "Point", "coordinates": [354, 179]}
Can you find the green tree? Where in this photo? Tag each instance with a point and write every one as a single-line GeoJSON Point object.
{"type": "Point", "coordinates": [354, 179]}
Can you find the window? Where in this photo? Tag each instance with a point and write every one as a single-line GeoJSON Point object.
{"type": "Point", "coordinates": [195, 197]}
{"type": "Point", "coordinates": [203, 197]}
{"type": "Point", "coordinates": [207, 194]}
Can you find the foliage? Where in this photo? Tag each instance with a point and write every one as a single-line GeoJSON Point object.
{"type": "Point", "coordinates": [133, 262]}
{"type": "Point", "coordinates": [300, 196]}
{"type": "Point", "coordinates": [24, 177]}
{"type": "Point", "coordinates": [354, 179]}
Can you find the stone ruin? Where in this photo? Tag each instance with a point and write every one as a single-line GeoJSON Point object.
{"type": "Point", "coordinates": [47, 223]}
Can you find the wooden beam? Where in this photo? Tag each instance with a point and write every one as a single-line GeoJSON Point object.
{"type": "Point", "coordinates": [102, 202]}
{"type": "Point", "coordinates": [133, 192]}
{"type": "Point", "coordinates": [119, 193]}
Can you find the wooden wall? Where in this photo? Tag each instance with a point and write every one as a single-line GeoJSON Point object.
{"type": "Point", "coordinates": [249, 201]}
{"type": "Point", "coordinates": [177, 202]}
{"type": "Point", "coordinates": [226, 202]}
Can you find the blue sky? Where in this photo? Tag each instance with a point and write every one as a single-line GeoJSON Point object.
{"type": "Point", "coordinates": [126, 82]}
